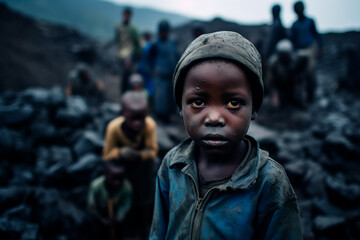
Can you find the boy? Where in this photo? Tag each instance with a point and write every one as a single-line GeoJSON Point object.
{"type": "Point", "coordinates": [131, 139]}
{"type": "Point", "coordinates": [218, 184]}
{"type": "Point", "coordinates": [109, 199]}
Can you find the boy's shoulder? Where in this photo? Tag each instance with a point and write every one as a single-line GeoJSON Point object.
{"type": "Point", "coordinates": [273, 178]}
{"type": "Point", "coordinates": [98, 183]}
{"type": "Point", "coordinates": [150, 122]}
{"type": "Point", "coordinates": [116, 122]}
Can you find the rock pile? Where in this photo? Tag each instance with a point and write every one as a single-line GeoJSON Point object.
{"type": "Point", "coordinates": [321, 157]}
{"type": "Point", "coordinates": [50, 150]}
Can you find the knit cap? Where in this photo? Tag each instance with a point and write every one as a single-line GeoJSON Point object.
{"type": "Point", "coordinates": [227, 45]}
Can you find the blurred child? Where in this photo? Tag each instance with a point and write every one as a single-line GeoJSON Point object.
{"type": "Point", "coordinates": [131, 139]}
{"type": "Point", "coordinates": [109, 200]}
{"type": "Point", "coordinates": [218, 184]}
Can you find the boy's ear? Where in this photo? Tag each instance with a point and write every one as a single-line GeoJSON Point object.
{"type": "Point", "coordinates": [254, 115]}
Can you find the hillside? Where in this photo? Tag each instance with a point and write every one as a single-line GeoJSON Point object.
{"type": "Point", "coordinates": [35, 53]}
{"type": "Point", "coordinates": [92, 17]}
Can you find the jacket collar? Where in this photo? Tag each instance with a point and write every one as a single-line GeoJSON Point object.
{"type": "Point", "coordinates": [244, 176]}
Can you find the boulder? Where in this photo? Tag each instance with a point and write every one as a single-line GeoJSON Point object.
{"type": "Point", "coordinates": [36, 96]}
{"type": "Point", "coordinates": [330, 227]}
{"type": "Point", "coordinates": [341, 193]}
{"type": "Point", "coordinates": [89, 141]}
{"type": "Point", "coordinates": [14, 145]}
{"type": "Point", "coordinates": [16, 114]}
{"type": "Point", "coordinates": [80, 172]}
{"type": "Point", "coordinates": [12, 196]}
{"type": "Point", "coordinates": [75, 113]}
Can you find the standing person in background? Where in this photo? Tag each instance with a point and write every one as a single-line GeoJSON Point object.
{"type": "Point", "coordinates": [163, 58]}
{"type": "Point", "coordinates": [304, 37]}
{"type": "Point", "coordinates": [144, 69]}
{"type": "Point", "coordinates": [275, 33]}
{"type": "Point", "coordinates": [129, 49]}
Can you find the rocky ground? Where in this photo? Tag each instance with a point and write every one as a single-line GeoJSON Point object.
{"type": "Point", "coordinates": [50, 144]}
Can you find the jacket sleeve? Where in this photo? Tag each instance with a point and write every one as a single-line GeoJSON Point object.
{"type": "Point", "coordinates": [281, 223]}
{"type": "Point", "coordinates": [278, 212]}
{"type": "Point", "coordinates": [160, 220]}
{"type": "Point", "coordinates": [161, 212]}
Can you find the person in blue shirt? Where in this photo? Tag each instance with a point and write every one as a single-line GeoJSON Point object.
{"type": "Point", "coordinates": [163, 57]}
{"type": "Point", "coordinates": [218, 183]}
{"type": "Point", "coordinates": [308, 43]}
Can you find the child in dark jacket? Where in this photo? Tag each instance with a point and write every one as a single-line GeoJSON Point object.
{"type": "Point", "coordinates": [109, 200]}
{"type": "Point", "coordinates": [218, 184]}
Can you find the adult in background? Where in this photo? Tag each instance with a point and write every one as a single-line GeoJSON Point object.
{"type": "Point", "coordinates": [129, 48]}
{"type": "Point", "coordinates": [83, 82]}
{"type": "Point", "coordinates": [163, 58]}
{"type": "Point", "coordinates": [308, 43]}
{"type": "Point", "coordinates": [276, 32]}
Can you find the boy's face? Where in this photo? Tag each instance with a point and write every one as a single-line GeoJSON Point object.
{"type": "Point", "coordinates": [217, 106]}
{"type": "Point", "coordinates": [114, 177]}
{"type": "Point", "coordinates": [135, 118]}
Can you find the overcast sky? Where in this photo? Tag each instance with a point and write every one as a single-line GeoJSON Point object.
{"type": "Point", "coordinates": [330, 15]}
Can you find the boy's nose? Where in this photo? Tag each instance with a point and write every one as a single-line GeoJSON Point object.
{"type": "Point", "coordinates": [214, 119]}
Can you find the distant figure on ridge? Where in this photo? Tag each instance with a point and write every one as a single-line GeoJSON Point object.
{"type": "Point", "coordinates": [275, 33]}
{"type": "Point", "coordinates": [129, 49]}
{"type": "Point", "coordinates": [304, 37]}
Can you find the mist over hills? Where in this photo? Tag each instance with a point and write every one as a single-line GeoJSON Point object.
{"type": "Point", "coordinates": [92, 17]}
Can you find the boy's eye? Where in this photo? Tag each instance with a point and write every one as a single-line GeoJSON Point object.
{"type": "Point", "coordinates": [233, 104]}
{"type": "Point", "coordinates": [197, 103]}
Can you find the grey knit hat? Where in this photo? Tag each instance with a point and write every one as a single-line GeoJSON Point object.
{"type": "Point", "coordinates": [226, 45]}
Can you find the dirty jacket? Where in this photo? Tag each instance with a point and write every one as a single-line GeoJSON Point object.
{"type": "Point", "coordinates": [258, 201]}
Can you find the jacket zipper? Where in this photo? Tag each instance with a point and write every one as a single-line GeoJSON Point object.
{"type": "Point", "coordinates": [198, 213]}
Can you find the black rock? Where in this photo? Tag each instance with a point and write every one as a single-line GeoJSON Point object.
{"type": "Point", "coordinates": [14, 145]}
{"type": "Point", "coordinates": [314, 180]}
{"type": "Point", "coordinates": [345, 195]}
{"type": "Point", "coordinates": [15, 114]}
{"type": "Point", "coordinates": [55, 215]}
{"type": "Point", "coordinates": [12, 196]}
{"type": "Point", "coordinates": [88, 142]}
{"type": "Point", "coordinates": [330, 227]}
{"type": "Point", "coordinates": [56, 98]}
{"type": "Point", "coordinates": [13, 229]}
{"type": "Point", "coordinates": [36, 96]}
{"type": "Point", "coordinates": [74, 114]}
{"type": "Point", "coordinates": [80, 172]}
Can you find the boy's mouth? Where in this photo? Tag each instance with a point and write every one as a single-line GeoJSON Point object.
{"type": "Point", "coordinates": [214, 140]}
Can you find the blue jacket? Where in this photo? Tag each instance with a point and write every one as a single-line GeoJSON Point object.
{"type": "Point", "coordinates": [258, 201]}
